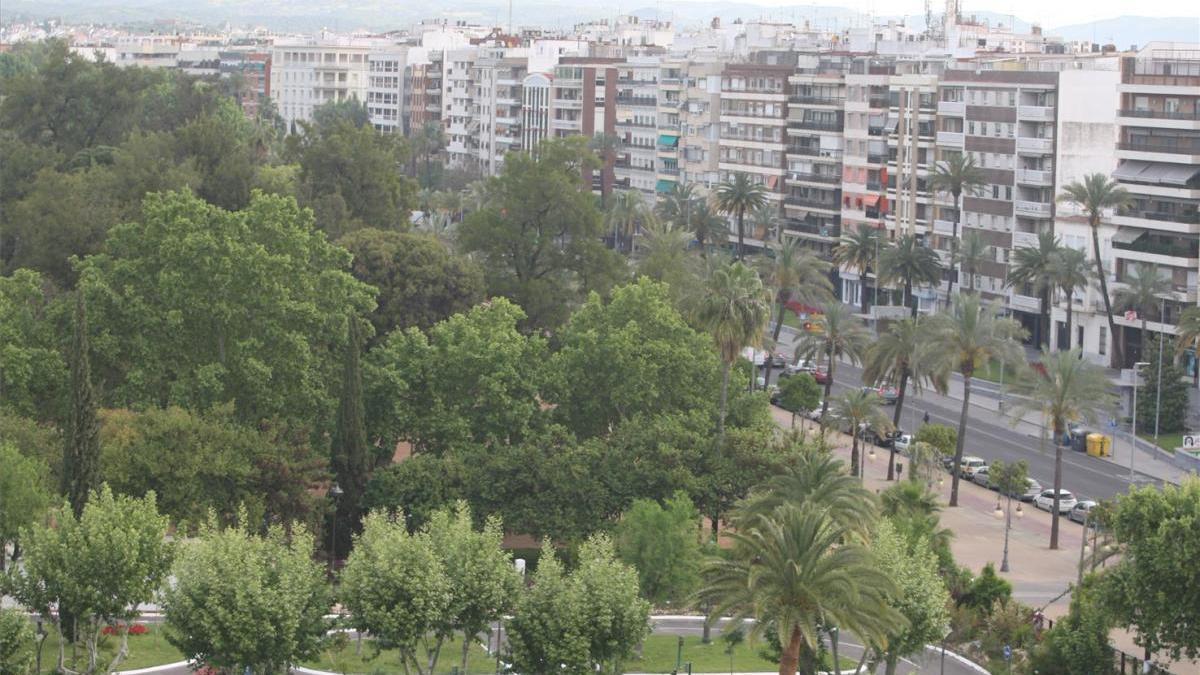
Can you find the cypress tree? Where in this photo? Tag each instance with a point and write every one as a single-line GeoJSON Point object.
{"type": "Point", "coordinates": [349, 446]}
{"type": "Point", "coordinates": [1172, 404]}
{"type": "Point", "coordinates": [81, 456]}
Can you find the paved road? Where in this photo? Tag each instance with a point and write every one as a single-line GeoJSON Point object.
{"type": "Point", "coordinates": [994, 438]}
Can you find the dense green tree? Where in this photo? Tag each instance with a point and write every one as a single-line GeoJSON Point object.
{"type": "Point", "coordinates": [663, 256]}
{"type": "Point", "coordinates": [539, 237]}
{"type": "Point", "coordinates": [912, 264]}
{"type": "Point", "coordinates": [349, 458]}
{"type": "Point", "coordinates": [101, 566]}
{"type": "Point", "coordinates": [1189, 337]}
{"type": "Point", "coordinates": [735, 197]}
{"type": "Point", "coordinates": [1078, 643]}
{"type": "Point", "coordinates": [482, 579]}
{"type": "Point", "coordinates": [394, 587]}
{"type": "Point", "coordinates": [546, 634]}
{"type": "Point", "coordinates": [957, 174]}
{"type": "Point", "coordinates": [416, 487]}
{"type": "Point", "coordinates": [240, 601]}
{"type": "Point", "coordinates": [1094, 195]}
{"type": "Point", "coordinates": [202, 463]}
{"type": "Point", "coordinates": [943, 437]}
{"type": "Point", "coordinates": [661, 542]}
{"type": "Point", "coordinates": [473, 379]}
{"type": "Point", "coordinates": [420, 281]}
{"type": "Point", "coordinates": [81, 453]}
{"type": "Point", "coordinates": [634, 355]}
{"type": "Point", "coordinates": [799, 392]}
{"type": "Point", "coordinates": [32, 371]}
{"type": "Point", "coordinates": [970, 335]}
{"type": "Point", "coordinates": [920, 595]}
{"type": "Point", "coordinates": [17, 646]}
{"type": "Point", "coordinates": [1067, 388]}
{"type": "Point", "coordinates": [191, 308]}
{"type": "Point", "coordinates": [893, 358]}
{"type": "Point", "coordinates": [615, 618]}
{"type": "Point", "coordinates": [1155, 588]}
{"type": "Point", "coordinates": [859, 410]}
{"type": "Point", "coordinates": [626, 214]}
{"type": "Point", "coordinates": [986, 591]}
{"type": "Point", "coordinates": [218, 145]}
{"type": "Point", "coordinates": [23, 496]}
{"type": "Point", "coordinates": [1033, 273]}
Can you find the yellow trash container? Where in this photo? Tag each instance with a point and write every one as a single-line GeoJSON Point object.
{"type": "Point", "coordinates": [1105, 446]}
{"type": "Point", "coordinates": [1094, 445]}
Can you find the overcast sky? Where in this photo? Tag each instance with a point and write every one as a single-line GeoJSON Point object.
{"type": "Point", "coordinates": [1046, 12]}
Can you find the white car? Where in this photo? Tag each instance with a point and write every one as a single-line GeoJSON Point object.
{"type": "Point", "coordinates": [1045, 501]}
{"type": "Point", "coordinates": [969, 465]}
{"type": "Point", "coordinates": [903, 442]}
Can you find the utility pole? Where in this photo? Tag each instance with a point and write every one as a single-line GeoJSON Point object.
{"type": "Point", "coordinates": [1133, 434]}
{"type": "Point", "coordinates": [1162, 317]}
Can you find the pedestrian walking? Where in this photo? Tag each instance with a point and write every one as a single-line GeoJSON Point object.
{"type": "Point", "coordinates": [925, 419]}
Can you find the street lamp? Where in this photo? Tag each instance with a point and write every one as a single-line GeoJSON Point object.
{"type": "Point", "coordinates": [1133, 434]}
{"type": "Point", "coordinates": [335, 492]}
{"type": "Point", "coordinates": [1006, 514]}
{"type": "Point", "coordinates": [1162, 318]}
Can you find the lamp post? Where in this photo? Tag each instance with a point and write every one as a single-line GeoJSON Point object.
{"type": "Point", "coordinates": [1162, 317]}
{"type": "Point", "coordinates": [41, 640]}
{"type": "Point", "coordinates": [335, 492]}
{"type": "Point", "coordinates": [1007, 515]}
{"type": "Point", "coordinates": [1133, 434]}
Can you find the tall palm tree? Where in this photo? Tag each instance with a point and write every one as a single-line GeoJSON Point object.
{"type": "Point", "coordinates": [913, 509]}
{"type": "Point", "coordinates": [964, 339]}
{"type": "Point", "coordinates": [893, 357]}
{"type": "Point", "coordinates": [957, 174]}
{"type": "Point", "coordinates": [1071, 271]}
{"type": "Point", "coordinates": [663, 255]}
{"type": "Point", "coordinates": [911, 264]}
{"type": "Point", "coordinates": [676, 205]}
{"type": "Point", "coordinates": [479, 194]}
{"type": "Point", "coordinates": [625, 213]}
{"type": "Point", "coordinates": [734, 310]}
{"type": "Point", "coordinates": [794, 273]}
{"type": "Point", "coordinates": [795, 569]}
{"type": "Point", "coordinates": [1065, 389]}
{"type": "Point", "coordinates": [819, 479]}
{"type": "Point", "coordinates": [860, 409]}
{"type": "Point", "coordinates": [737, 196]}
{"type": "Point", "coordinates": [429, 140]}
{"type": "Point", "coordinates": [1143, 292]}
{"type": "Point", "coordinates": [971, 256]}
{"type": "Point", "coordinates": [1093, 195]}
{"type": "Point", "coordinates": [765, 218]}
{"type": "Point", "coordinates": [606, 146]}
{"type": "Point", "coordinates": [1034, 266]}
{"type": "Point", "coordinates": [857, 250]}
{"type": "Point", "coordinates": [1189, 338]}
{"type": "Point", "coordinates": [838, 333]}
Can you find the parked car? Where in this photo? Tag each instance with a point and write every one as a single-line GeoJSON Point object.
{"type": "Point", "coordinates": [980, 477]}
{"type": "Point", "coordinates": [886, 392]}
{"type": "Point", "coordinates": [778, 359]}
{"type": "Point", "coordinates": [1045, 501]}
{"type": "Point", "coordinates": [1032, 490]}
{"type": "Point", "coordinates": [969, 466]}
{"type": "Point", "coordinates": [903, 442]}
{"type": "Point", "coordinates": [815, 413]}
{"type": "Point", "coordinates": [1081, 509]}
{"type": "Point", "coordinates": [884, 440]}
{"type": "Point", "coordinates": [819, 375]}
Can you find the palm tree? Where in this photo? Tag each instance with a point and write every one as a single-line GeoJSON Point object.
{"type": "Point", "coordinates": [964, 339]}
{"type": "Point", "coordinates": [676, 205]}
{"type": "Point", "coordinates": [857, 250]}
{"type": "Point", "coordinates": [734, 309]}
{"type": "Point", "coordinates": [427, 142]}
{"type": "Point", "coordinates": [479, 193]}
{"type": "Point", "coordinates": [794, 273]}
{"type": "Point", "coordinates": [625, 213]}
{"type": "Point", "coordinates": [708, 227]}
{"type": "Point", "coordinates": [860, 409]}
{"type": "Point", "coordinates": [893, 358]}
{"type": "Point", "coordinates": [737, 196]}
{"type": "Point", "coordinates": [1034, 266]}
{"type": "Point", "coordinates": [1095, 194]}
{"type": "Point", "coordinates": [973, 253]}
{"type": "Point", "coordinates": [913, 508]}
{"type": "Point", "coordinates": [765, 218]}
{"type": "Point", "coordinates": [957, 174]}
{"type": "Point", "coordinates": [838, 333]}
{"type": "Point", "coordinates": [1071, 271]}
{"type": "Point", "coordinates": [606, 147]}
{"type": "Point", "coordinates": [910, 263]}
{"type": "Point", "coordinates": [793, 570]}
{"type": "Point", "coordinates": [663, 255]}
{"type": "Point", "coordinates": [1143, 292]}
{"type": "Point", "coordinates": [1065, 389]}
{"type": "Point", "coordinates": [1189, 337]}
{"type": "Point", "coordinates": [819, 479]}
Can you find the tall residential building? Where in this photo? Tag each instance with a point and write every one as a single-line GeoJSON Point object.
{"type": "Point", "coordinates": [498, 79]}
{"type": "Point", "coordinates": [535, 110]}
{"type": "Point", "coordinates": [1159, 153]}
{"type": "Point", "coordinates": [385, 89]}
{"type": "Point", "coordinates": [306, 74]}
{"type": "Point", "coordinates": [583, 101]}
{"type": "Point", "coordinates": [423, 86]}
{"type": "Point", "coordinates": [672, 100]}
{"type": "Point", "coordinates": [700, 124]}
{"type": "Point", "coordinates": [636, 125]}
{"type": "Point", "coordinates": [458, 113]}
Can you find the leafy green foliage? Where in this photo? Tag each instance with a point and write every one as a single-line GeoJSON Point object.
{"type": "Point", "coordinates": [32, 370]}
{"type": "Point", "coordinates": [23, 494]}
{"type": "Point", "coordinates": [349, 462]}
{"type": "Point", "coordinates": [920, 596]}
{"type": "Point", "coordinates": [662, 543]}
{"type": "Point", "coordinates": [799, 392]}
{"type": "Point", "coordinates": [81, 456]}
{"type": "Point", "coordinates": [420, 282]}
{"type": "Point", "coordinates": [1170, 408]}
{"type": "Point", "coordinates": [986, 591]}
{"type": "Point", "coordinates": [941, 436]}
{"type": "Point", "coordinates": [1155, 588]}
{"type": "Point", "coordinates": [239, 600]}
{"type": "Point", "coordinates": [1078, 642]}
{"type": "Point", "coordinates": [538, 236]}
{"type": "Point", "coordinates": [191, 308]}
{"type": "Point", "coordinates": [633, 355]}
{"type": "Point", "coordinates": [17, 646]}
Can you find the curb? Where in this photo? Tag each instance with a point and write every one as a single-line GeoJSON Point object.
{"type": "Point", "coordinates": [156, 669]}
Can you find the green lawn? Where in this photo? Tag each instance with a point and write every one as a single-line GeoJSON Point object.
{"type": "Point", "coordinates": [992, 373]}
{"type": "Point", "coordinates": [1168, 442]}
{"type": "Point", "coordinates": [659, 654]}
{"type": "Point", "coordinates": [146, 650]}
{"type": "Point", "coordinates": [388, 661]}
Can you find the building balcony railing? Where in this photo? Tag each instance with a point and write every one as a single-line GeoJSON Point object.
{"type": "Point", "coordinates": [943, 227]}
{"type": "Point", "coordinates": [669, 170]}
{"type": "Point", "coordinates": [1162, 114]}
{"type": "Point", "coordinates": [1042, 113]}
{"type": "Point", "coordinates": [650, 101]}
{"type": "Point", "coordinates": [1032, 144]}
{"type": "Point", "coordinates": [827, 230]}
{"type": "Point", "coordinates": [814, 125]}
{"type": "Point", "coordinates": [816, 100]}
{"type": "Point", "coordinates": [1024, 239]}
{"type": "Point", "coordinates": [1190, 218]}
{"type": "Point", "coordinates": [1035, 177]}
{"type": "Point", "coordinates": [831, 179]}
{"type": "Point", "coordinates": [879, 102]}
{"type": "Point", "coordinates": [874, 185]}
{"type": "Point", "coordinates": [637, 125]}
{"type": "Point", "coordinates": [876, 159]}
{"type": "Point", "coordinates": [811, 151]}
{"type": "Point", "coordinates": [876, 131]}
{"type": "Point", "coordinates": [1182, 146]}
{"type": "Point", "coordinates": [811, 203]}
{"type": "Point", "coordinates": [953, 139]}
{"type": "Point", "coordinates": [956, 108]}
{"type": "Point", "coordinates": [1189, 250]}
{"type": "Point", "coordinates": [1034, 209]}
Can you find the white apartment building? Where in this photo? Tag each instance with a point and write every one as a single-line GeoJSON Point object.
{"type": "Point", "coordinates": [306, 74]}
{"type": "Point", "coordinates": [386, 89]}
{"type": "Point", "coordinates": [498, 77]}
{"type": "Point", "coordinates": [637, 105]}
{"type": "Point", "coordinates": [700, 124]}
{"type": "Point", "coordinates": [458, 112]}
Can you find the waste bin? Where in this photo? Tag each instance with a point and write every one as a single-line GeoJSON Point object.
{"type": "Point", "coordinates": [1106, 446]}
{"type": "Point", "coordinates": [1099, 445]}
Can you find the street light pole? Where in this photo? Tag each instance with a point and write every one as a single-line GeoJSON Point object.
{"type": "Point", "coordinates": [1133, 434]}
{"type": "Point", "coordinates": [335, 491]}
{"type": "Point", "coordinates": [1162, 317]}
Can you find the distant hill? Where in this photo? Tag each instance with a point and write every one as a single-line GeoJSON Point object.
{"type": "Point", "coordinates": [1127, 31]}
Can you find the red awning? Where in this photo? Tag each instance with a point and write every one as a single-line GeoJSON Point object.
{"type": "Point", "coordinates": [771, 181]}
{"type": "Point", "coordinates": [871, 200]}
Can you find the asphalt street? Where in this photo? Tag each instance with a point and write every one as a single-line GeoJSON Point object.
{"type": "Point", "coordinates": [992, 438]}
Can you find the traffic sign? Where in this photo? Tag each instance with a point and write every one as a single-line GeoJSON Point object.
{"type": "Point", "coordinates": [1007, 653]}
{"type": "Point", "coordinates": [1112, 423]}
{"type": "Point", "coordinates": [1191, 441]}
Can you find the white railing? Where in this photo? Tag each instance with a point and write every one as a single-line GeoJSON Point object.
{"type": "Point", "coordinates": [951, 138]}
{"type": "Point", "coordinates": [1034, 176]}
{"type": "Point", "coordinates": [1035, 144]}
{"type": "Point", "coordinates": [943, 227]}
{"type": "Point", "coordinates": [1037, 209]}
{"type": "Point", "coordinates": [1024, 239]}
{"type": "Point", "coordinates": [952, 108]}
{"type": "Point", "coordinates": [1035, 112]}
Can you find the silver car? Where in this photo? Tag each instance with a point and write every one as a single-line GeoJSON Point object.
{"type": "Point", "coordinates": [1080, 512]}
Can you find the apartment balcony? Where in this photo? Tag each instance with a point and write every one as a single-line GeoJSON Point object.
{"type": "Point", "coordinates": [807, 203]}
{"type": "Point", "coordinates": [1160, 114]}
{"type": "Point", "coordinates": [954, 108]}
{"type": "Point", "coordinates": [817, 100]}
{"type": "Point", "coordinates": [877, 159]}
{"type": "Point", "coordinates": [951, 139]}
{"type": "Point", "coordinates": [811, 151]}
{"type": "Point", "coordinates": [568, 125]}
{"type": "Point", "coordinates": [1024, 239]}
{"type": "Point", "coordinates": [879, 102]}
{"type": "Point", "coordinates": [648, 101]}
{"type": "Point", "coordinates": [1178, 252]}
{"type": "Point", "coordinates": [669, 170]}
{"type": "Point", "coordinates": [568, 103]}
{"type": "Point", "coordinates": [1038, 113]}
{"type": "Point", "coordinates": [945, 227]}
{"type": "Point", "coordinates": [636, 125]}
{"type": "Point", "coordinates": [1035, 177]}
{"type": "Point", "coordinates": [824, 178]}
{"type": "Point", "coordinates": [813, 125]}
{"type": "Point", "coordinates": [1037, 146]}
{"type": "Point", "coordinates": [1185, 146]}
{"type": "Point", "coordinates": [813, 229]}
{"type": "Point", "coordinates": [1032, 209]}
{"type": "Point", "coordinates": [1024, 303]}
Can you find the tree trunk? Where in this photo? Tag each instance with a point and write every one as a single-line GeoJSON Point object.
{"type": "Point", "coordinates": [1117, 356]}
{"type": "Point", "coordinates": [789, 661]}
{"type": "Point", "coordinates": [741, 252]}
{"type": "Point", "coordinates": [910, 298]}
{"type": "Point", "coordinates": [1044, 319]}
{"type": "Point", "coordinates": [774, 341]}
{"type": "Point", "coordinates": [1142, 347]}
{"type": "Point", "coordinates": [723, 405]}
{"type": "Point", "coordinates": [828, 389]}
{"type": "Point", "coordinates": [896, 420]}
{"type": "Point", "coordinates": [854, 449]}
{"type": "Point", "coordinates": [1070, 311]}
{"type": "Point", "coordinates": [962, 433]}
{"type": "Point", "coordinates": [1058, 450]}
{"type": "Point", "coordinates": [833, 648]}
{"type": "Point", "coordinates": [862, 289]}
{"type": "Point", "coordinates": [954, 248]}
{"type": "Point", "coordinates": [890, 662]}
{"type": "Point", "coordinates": [466, 653]}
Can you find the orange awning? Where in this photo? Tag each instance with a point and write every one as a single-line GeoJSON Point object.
{"type": "Point", "coordinates": [871, 200]}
